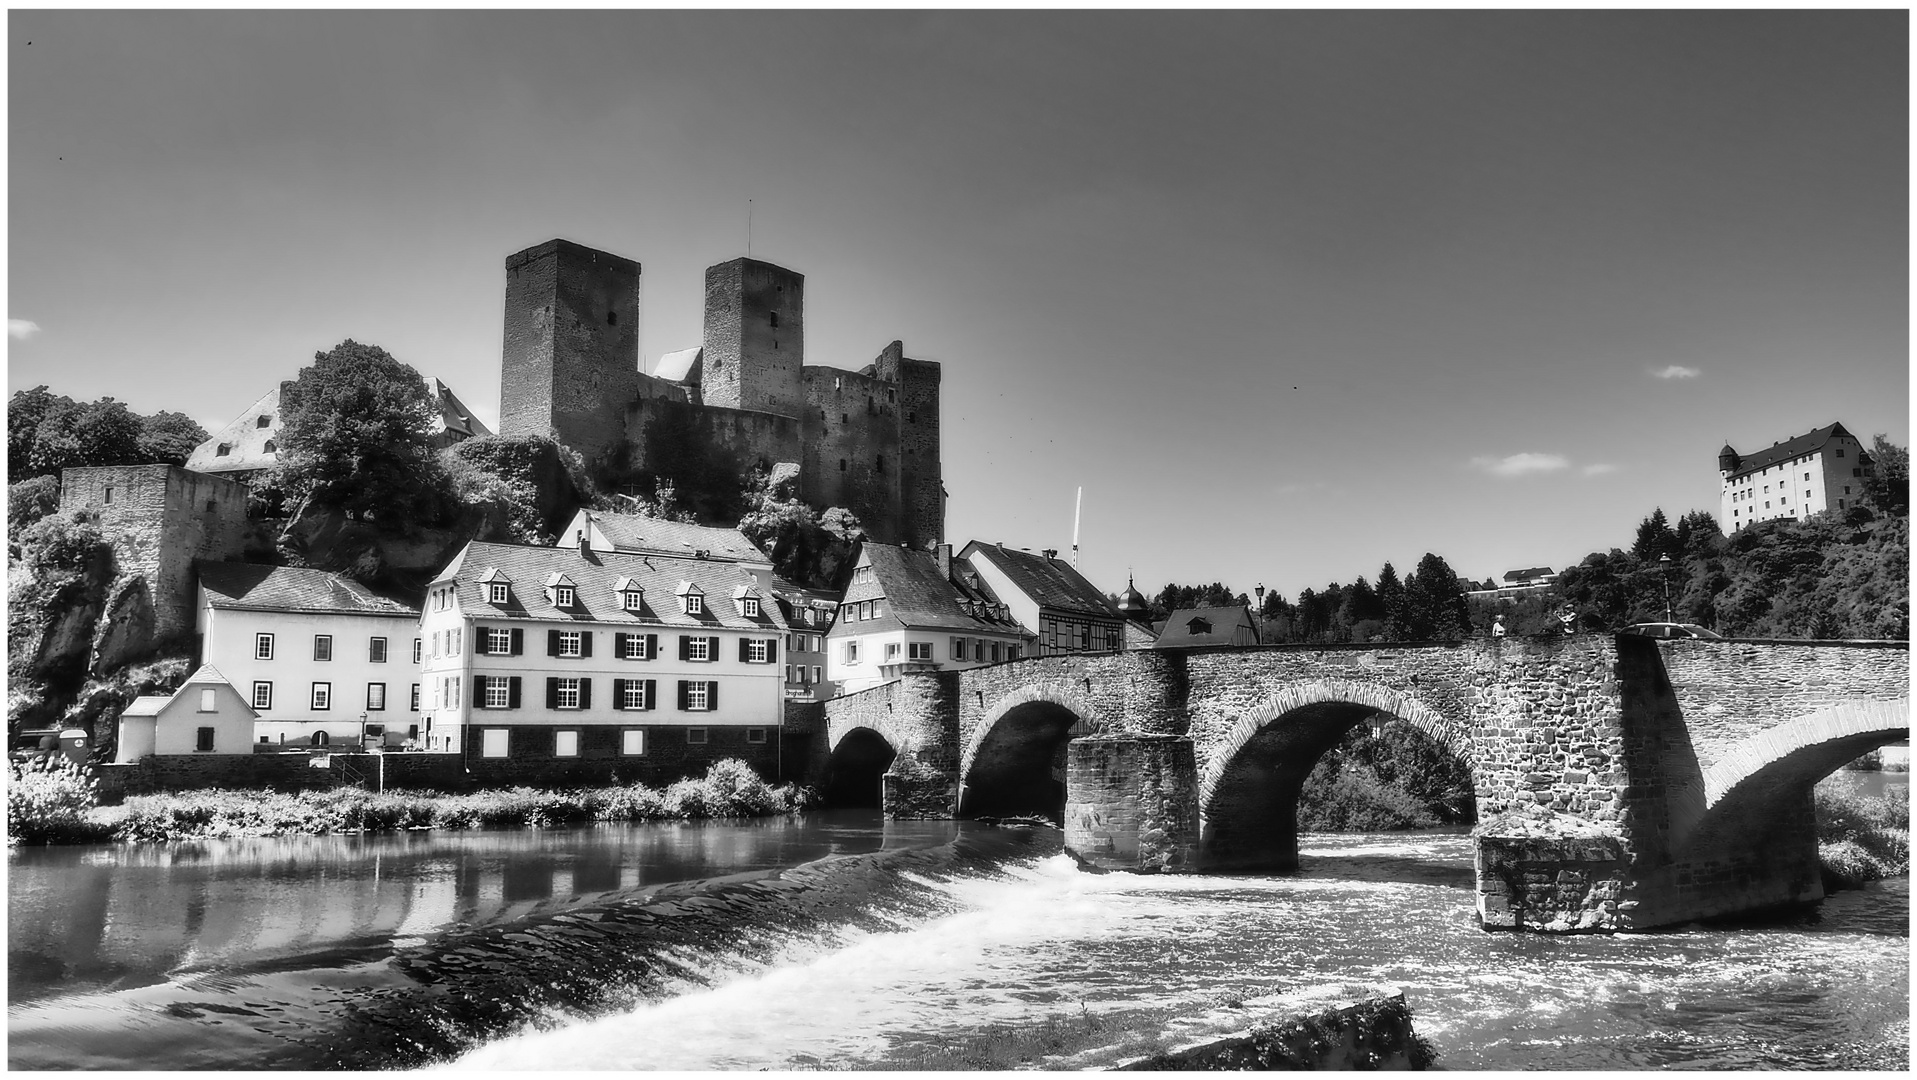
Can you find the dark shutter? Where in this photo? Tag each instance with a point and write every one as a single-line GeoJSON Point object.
{"type": "Point", "coordinates": [712, 648]}
{"type": "Point", "coordinates": [712, 695]}
{"type": "Point", "coordinates": [552, 693]}
{"type": "Point", "coordinates": [652, 646]}
{"type": "Point", "coordinates": [745, 649]}
{"type": "Point", "coordinates": [652, 694]}
{"type": "Point", "coordinates": [585, 693]}
{"type": "Point", "coordinates": [682, 695]}
{"type": "Point", "coordinates": [519, 642]}
{"type": "Point", "coordinates": [619, 644]}
{"type": "Point", "coordinates": [772, 651]}
{"type": "Point", "coordinates": [585, 643]}
{"type": "Point", "coordinates": [685, 648]}
{"type": "Point", "coordinates": [552, 643]}
{"type": "Point", "coordinates": [512, 692]}
{"type": "Point", "coordinates": [479, 691]}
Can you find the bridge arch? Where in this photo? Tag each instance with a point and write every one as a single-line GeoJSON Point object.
{"type": "Point", "coordinates": [1014, 762]}
{"type": "Point", "coordinates": [1776, 768]}
{"type": "Point", "coordinates": [1253, 774]}
{"type": "Point", "coordinates": [855, 770]}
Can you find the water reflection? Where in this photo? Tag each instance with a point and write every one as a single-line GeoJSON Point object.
{"type": "Point", "coordinates": [99, 917]}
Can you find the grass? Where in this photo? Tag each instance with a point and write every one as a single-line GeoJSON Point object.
{"type": "Point", "coordinates": [730, 789]}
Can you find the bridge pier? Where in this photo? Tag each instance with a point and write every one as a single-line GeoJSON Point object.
{"type": "Point", "coordinates": [1131, 802]}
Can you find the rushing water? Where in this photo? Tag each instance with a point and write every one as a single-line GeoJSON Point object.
{"type": "Point", "coordinates": [861, 958]}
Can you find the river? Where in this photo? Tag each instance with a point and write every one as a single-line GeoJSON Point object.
{"type": "Point", "coordinates": [234, 954]}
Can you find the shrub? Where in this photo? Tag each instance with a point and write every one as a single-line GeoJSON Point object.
{"type": "Point", "coordinates": [51, 800]}
{"type": "Point", "coordinates": [1353, 799]}
{"type": "Point", "coordinates": [1862, 838]}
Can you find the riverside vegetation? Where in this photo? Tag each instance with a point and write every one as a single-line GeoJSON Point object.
{"type": "Point", "coordinates": [51, 801]}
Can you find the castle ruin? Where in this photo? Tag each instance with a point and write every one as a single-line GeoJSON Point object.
{"type": "Point", "coordinates": [865, 440]}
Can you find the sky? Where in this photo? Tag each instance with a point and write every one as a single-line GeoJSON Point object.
{"type": "Point", "coordinates": [1289, 294]}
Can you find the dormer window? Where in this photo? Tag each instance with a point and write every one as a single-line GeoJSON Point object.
{"type": "Point", "coordinates": [749, 607]}
{"type": "Point", "coordinates": [562, 595]}
{"type": "Point", "coordinates": [499, 592]}
{"type": "Point", "coordinates": [223, 449]}
{"type": "Point", "coordinates": [270, 448]}
{"type": "Point", "coordinates": [695, 604]}
{"type": "Point", "coordinates": [632, 599]}
{"type": "Point", "coordinates": [265, 421]}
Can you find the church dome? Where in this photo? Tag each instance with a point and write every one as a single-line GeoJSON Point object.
{"type": "Point", "coordinates": [1131, 603]}
{"type": "Point", "coordinates": [1727, 459]}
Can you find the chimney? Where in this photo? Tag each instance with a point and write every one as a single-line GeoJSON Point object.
{"type": "Point", "coordinates": [579, 537]}
{"type": "Point", "coordinates": [943, 553]}
{"type": "Point", "coordinates": [1050, 553]}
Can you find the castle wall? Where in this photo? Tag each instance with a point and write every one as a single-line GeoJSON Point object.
{"type": "Point", "coordinates": [160, 518]}
{"type": "Point", "coordinates": [570, 362]}
{"type": "Point", "coordinates": [852, 455]}
{"type": "Point", "coordinates": [704, 451]}
{"type": "Point", "coordinates": [755, 337]}
{"type": "Point", "coordinates": [922, 475]}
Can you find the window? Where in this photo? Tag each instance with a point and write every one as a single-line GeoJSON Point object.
{"type": "Point", "coordinates": [565, 744]}
{"type": "Point", "coordinates": [919, 650]}
{"type": "Point", "coordinates": [414, 707]}
{"type": "Point", "coordinates": [562, 595]}
{"type": "Point", "coordinates": [749, 607]}
{"type": "Point", "coordinates": [1857, 472]}
{"type": "Point", "coordinates": [322, 646]}
{"type": "Point", "coordinates": [636, 646]}
{"type": "Point", "coordinates": [632, 742]}
{"type": "Point", "coordinates": [499, 642]}
{"type": "Point", "coordinates": [265, 420]}
{"type": "Point", "coordinates": [958, 648]}
{"type": "Point", "coordinates": [815, 676]}
{"type": "Point", "coordinates": [851, 652]}
{"type": "Point", "coordinates": [375, 696]}
{"type": "Point", "coordinates": [1840, 451]}
{"type": "Point", "coordinates": [788, 673]}
{"type": "Point", "coordinates": [565, 693]}
{"type": "Point", "coordinates": [881, 467]}
{"type": "Point", "coordinates": [107, 496]}
{"type": "Point", "coordinates": [755, 735]}
{"type": "Point", "coordinates": [322, 696]}
{"type": "Point", "coordinates": [632, 600]}
{"type": "Point", "coordinates": [498, 692]}
{"type": "Point", "coordinates": [262, 695]}
{"type": "Point", "coordinates": [698, 696]}
{"type": "Point", "coordinates": [204, 743]}
{"type": "Point", "coordinates": [494, 742]}
{"type": "Point", "coordinates": [758, 652]}
{"type": "Point", "coordinates": [1807, 476]}
{"type": "Point", "coordinates": [1847, 489]}
{"type": "Point", "coordinates": [269, 447]}
{"type": "Point", "coordinates": [416, 650]}
{"type": "Point", "coordinates": [633, 694]}
{"type": "Point", "coordinates": [222, 450]}
{"type": "Point", "coordinates": [262, 646]}
{"type": "Point", "coordinates": [209, 700]}
{"type": "Point", "coordinates": [376, 650]}
{"type": "Point", "coordinates": [995, 652]}
{"type": "Point", "coordinates": [891, 651]}
{"type": "Point", "coordinates": [695, 736]}
{"type": "Point", "coordinates": [499, 593]}
{"type": "Point", "coordinates": [699, 649]}
{"type": "Point", "coordinates": [569, 643]}
{"type": "Point", "coordinates": [695, 604]}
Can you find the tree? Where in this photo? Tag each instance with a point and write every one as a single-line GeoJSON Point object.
{"type": "Point", "coordinates": [1391, 599]}
{"type": "Point", "coordinates": [1654, 537]}
{"type": "Point", "coordinates": [1434, 607]}
{"type": "Point", "coordinates": [25, 410]}
{"type": "Point", "coordinates": [1697, 533]}
{"type": "Point", "coordinates": [169, 437]}
{"type": "Point", "coordinates": [356, 436]}
{"type": "Point", "coordinates": [1888, 483]}
{"type": "Point", "coordinates": [72, 435]}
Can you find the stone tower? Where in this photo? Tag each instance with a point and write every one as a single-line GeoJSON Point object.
{"type": "Point", "coordinates": [755, 338]}
{"type": "Point", "coordinates": [571, 359]}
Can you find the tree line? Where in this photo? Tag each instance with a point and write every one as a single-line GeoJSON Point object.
{"type": "Point", "coordinates": [1427, 605]}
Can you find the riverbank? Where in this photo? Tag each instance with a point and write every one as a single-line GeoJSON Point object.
{"type": "Point", "coordinates": [51, 805]}
{"type": "Point", "coordinates": [1862, 838]}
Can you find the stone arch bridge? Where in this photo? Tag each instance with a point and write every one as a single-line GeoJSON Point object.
{"type": "Point", "coordinates": [1622, 782]}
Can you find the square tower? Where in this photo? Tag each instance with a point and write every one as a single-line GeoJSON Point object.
{"type": "Point", "coordinates": [755, 338]}
{"type": "Point", "coordinates": [570, 365]}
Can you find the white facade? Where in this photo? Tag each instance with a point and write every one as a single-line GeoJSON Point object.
{"type": "Point", "coordinates": [1830, 476]}
{"type": "Point", "coordinates": [858, 660]}
{"type": "Point", "coordinates": [312, 675]}
{"type": "Point", "coordinates": [206, 715]}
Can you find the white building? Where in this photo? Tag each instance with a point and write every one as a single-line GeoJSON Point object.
{"type": "Point", "coordinates": [576, 652]}
{"type": "Point", "coordinates": [1060, 610]}
{"type": "Point", "coordinates": [909, 609]}
{"type": "Point", "coordinates": [206, 715]}
{"type": "Point", "coordinates": [319, 657]}
{"type": "Point", "coordinates": [1821, 470]}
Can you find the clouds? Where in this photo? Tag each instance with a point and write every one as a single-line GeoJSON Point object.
{"type": "Point", "coordinates": [1676, 371]}
{"type": "Point", "coordinates": [1533, 464]}
{"type": "Point", "coordinates": [22, 329]}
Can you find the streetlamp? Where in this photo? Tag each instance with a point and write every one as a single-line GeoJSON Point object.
{"type": "Point", "coordinates": [362, 735]}
{"type": "Point", "coordinates": [1664, 572]}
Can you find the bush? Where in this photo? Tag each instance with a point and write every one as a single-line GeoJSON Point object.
{"type": "Point", "coordinates": [1353, 799]}
{"type": "Point", "coordinates": [1862, 838]}
{"type": "Point", "coordinates": [50, 800]}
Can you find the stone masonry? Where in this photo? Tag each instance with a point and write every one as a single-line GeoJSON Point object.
{"type": "Point", "coordinates": [1621, 782]}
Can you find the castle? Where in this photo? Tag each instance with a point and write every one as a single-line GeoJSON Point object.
{"type": "Point", "coordinates": [865, 440]}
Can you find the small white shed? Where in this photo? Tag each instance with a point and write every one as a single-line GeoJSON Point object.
{"type": "Point", "coordinates": [206, 715]}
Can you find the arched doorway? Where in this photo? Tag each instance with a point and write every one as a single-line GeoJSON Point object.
{"type": "Point", "coordinates": [1017, 768]}
{"type": "Point", "coordinates": [855, 773]}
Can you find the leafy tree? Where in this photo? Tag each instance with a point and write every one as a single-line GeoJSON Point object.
{"type": "Point", "coordinates": [25, 410]}
{"type": "Point", "coordinates": [1888, 485]}
{"type": "Point", "coordinates": [71, 435]}
{"type": "Point", "coordinates": [27, 502]}
{"type": "Point", "coordinates": [1391, 599]}
{"type": "Point", "coordinates": [169, 437]}
{"type": "Point", "coordinates": [1654, 537]}
{"type": "Point", "coordinates": [356, 436]}
{"type": "Point", "coordinates": [1434, 607]}
{"type": "Point", "coordinates": [1697, 533]}
{"type": "Point", "coordinates": [806, 547]}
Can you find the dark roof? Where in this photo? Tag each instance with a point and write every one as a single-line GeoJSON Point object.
{"type": "Point", "coordinates": [917, 595]}
{"type": "Point", "coordinates": [1217, 626]}
{"type": "Point", "coordinates": [1049, 582]}
{"type": "Point", "coordinates": [1526, 575]}
{"type": "Point", "coordinates": [1807, 443]}
{"type": "Point", "coordinates": [255, 587]}
{"type": "Point", "coordinates": [636, 532]}
{"type": "Point", "coordinates": [595, 575]}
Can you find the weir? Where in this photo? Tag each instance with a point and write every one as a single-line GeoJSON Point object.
{"type": "Point", "coordinates": [1622, 783]}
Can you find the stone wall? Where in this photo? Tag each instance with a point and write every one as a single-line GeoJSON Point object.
{"type": "Point", "coordinates": [160, 519]}
{"type": "Point", "coordinates": [570, 359]}
{"type": "Point", "coordinates": [1131, 802]}
{"type": "Point", "coordinates": [754, 338]}
{"type": "Point", "coordinates": [852, 456]}
{"type": "Point", "coordinates": [1731, 690]}
{"type": "Point", "coordinates": [703, 450]}
{"type": "Point", "coordinates": [669, 756]}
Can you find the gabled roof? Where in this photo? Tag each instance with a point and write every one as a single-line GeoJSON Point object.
{"type": "Point", "coordinates": [596, 573]}
{"type": "Point", "coordinates": [206, 675]}
{"type": "Point", "coordinates": [247, 439]}
{"type": "Point", "coordinates": [1526, 575]}
{"type": "Point", "coordinates": [1047, 581]}
{"type": "Point", "coordinates": [680, 366]}
{"type": "Point", "coordinates": [454, 417]}
{"type": "Point", "coordinates": [1206, 626]}
{"type": "Point", "coordinates": [636, 532]}
{"type": "Point", "coordinates": [1807, 443]}
{"type": "Point", "coordinates": [150, 705]}
{"type": "Point", "coordinates": [254, 587]}
{"type": "Point", "coordinates": [918, 595]}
